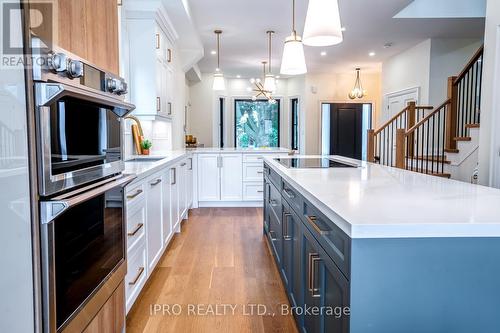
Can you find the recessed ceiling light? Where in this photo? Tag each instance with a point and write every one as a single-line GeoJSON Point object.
{"type": "Point", "coordinates": [238, 76]}
{"type": "Point", "coordinates": [213, 52]}
{"type": "Point", "coordinates": [342, 29]}
{"type": "Point", "coordinates": [371, 54]}
{"type": "Point", "coordinates": [323, 53]}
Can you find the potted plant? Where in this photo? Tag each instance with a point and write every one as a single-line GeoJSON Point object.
{"type": "Point", "coordinates": [146, 145]}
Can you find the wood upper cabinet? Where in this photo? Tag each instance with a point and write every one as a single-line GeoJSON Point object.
{"type": "Point", "coordinates": [87, 28]}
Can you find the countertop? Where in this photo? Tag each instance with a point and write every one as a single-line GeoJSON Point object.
{"type": "Point", "coordinates": [143, 166]}
{"type": "Point", "coordinates": [375, 201]}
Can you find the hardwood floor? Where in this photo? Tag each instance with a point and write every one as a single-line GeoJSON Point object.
{"type": "Point", "coordinates": [220, 258]}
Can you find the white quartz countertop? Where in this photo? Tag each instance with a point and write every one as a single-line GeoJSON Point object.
{"type": "Point", "coordinates": [375, 201]}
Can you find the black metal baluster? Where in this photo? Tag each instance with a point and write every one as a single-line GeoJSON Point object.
{"type": "Point", "coordinates": [433, 135]}
{"type": "Point", "coordinates": [469, 99]}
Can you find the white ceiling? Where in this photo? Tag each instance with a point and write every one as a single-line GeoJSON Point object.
{"type": "Point", "coordinates": [369, 25]}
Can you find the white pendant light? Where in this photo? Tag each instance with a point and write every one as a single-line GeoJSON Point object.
{"type": "Point", "coordinates": [219, 83]}
{"type": "Point", "coordinates": [293, 61]}
{"type": "Point", "coordinates": [269, 80]}
{"type": "Point", "coordinates": [322, 27]}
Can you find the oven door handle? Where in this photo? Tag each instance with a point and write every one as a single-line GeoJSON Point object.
{"type": "Point", "coordinates": [51, 209]}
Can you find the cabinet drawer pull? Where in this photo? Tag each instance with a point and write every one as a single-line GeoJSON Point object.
{"type": "Point", "coordinates": [134, 195]}
{"type": "Point", "coordinates": [174, 176]}
{"type": "Point", "coordinates": [136, 230]}
{"type": "Point", "coordinates": [157, 41]}
{"type": "Point", "coordinates": [313, 260]}
{"type": "Point", "coordinates": [158, 181]}
{"type": "Point", "coordinates": [169, 55]}
{"type": "Point", "coordinates": [134, 281]}
{"type": "Point", "coordinates": [158, 104]}
{"type": "Point", "coordinates": [260, 172]}
{"type": "Point", "coordinates": [190, 163]}
{"type": "Point", "coordinates": [273, 238]}
{"type": "Point", "coordinates": [260, 191]}
{"type": "Point", "coordinates": [312, 221]}
{"type": "Point", "coordinates": [286, 236]}
{"type": "Point", "coordinates": [289, 193]}
{"type": "Point", "coordinates": [273, 202]}
{"type": "Point", "coordinates": [183, 164]}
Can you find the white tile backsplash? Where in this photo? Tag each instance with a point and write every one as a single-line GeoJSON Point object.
{"type": "Point", "coordinates": [157, 131]}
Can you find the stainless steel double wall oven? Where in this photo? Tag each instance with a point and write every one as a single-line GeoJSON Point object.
{"type": "Point", "coordinates": [79, 115]}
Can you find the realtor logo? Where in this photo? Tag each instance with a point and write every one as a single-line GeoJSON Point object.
{"type": "Point", "coordinates": [41, 22]}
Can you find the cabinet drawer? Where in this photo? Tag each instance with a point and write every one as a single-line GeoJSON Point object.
{"type": "Point", "coordinates": [272, 176]}
{"type": "Point", "coordinates": [136, 275]}
{"type": "Point", "coordinates": [136, 224]}
{"type": "Point", "coordinates": [134, 193]}
{"type": "Point", "coordinates": [335, 242]}
{"type": "Point", "coordinates": [253, 191]}
{"type": "Point", "coordinates": [274, 199]}
{"type": "Point", "coordinates": [253, 171]}
{"type": "Point", "coordinates": [292, 197]}
{"type": "Point", "coordinates": [252, 158]}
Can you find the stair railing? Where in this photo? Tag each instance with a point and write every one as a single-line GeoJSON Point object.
{"type": "Point", "coordinates": [381, 142]}
{"type": "Point", "coordinates": [421, 148]}
{"type": "Point", "coordinates": [464, 91]}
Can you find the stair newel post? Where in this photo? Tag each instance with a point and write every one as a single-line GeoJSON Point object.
{"type": "Point", "coordinates": [370, 146]}
{"type": "Point", "coordinates": [410, 122]}
{"type": "Point", "coordinates": [400, 148]}
{"type": "Point", "coordinates": [451, 115]}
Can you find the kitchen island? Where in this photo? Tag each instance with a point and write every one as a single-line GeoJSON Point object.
{"type": "Point", "coordinates": [379, 249]}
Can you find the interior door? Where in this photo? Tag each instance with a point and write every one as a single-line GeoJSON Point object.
{"type": "Point", "coordinates": [396, 102]}
{"type": "Point", "coordinates": [346, 124]}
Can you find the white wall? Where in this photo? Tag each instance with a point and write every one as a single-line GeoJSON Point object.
{"type": "Point", "coordinates": [448, 58]}
{"type": "Point", "coordinates": [16, 282]}
{"type": "Point", "coordinates": [489, 140]}
{"type": "Point", "coordinates": [409, 69]}
{"type": "Point", "coordinates": [428, 65]}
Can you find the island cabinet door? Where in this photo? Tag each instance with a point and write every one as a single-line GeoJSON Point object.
{"type": "Point", "coordinates": [291, 253]}
{"type": "Point", "coordinates": [326, 290]}
{"type": "Point", "coordinates": [266, 204]}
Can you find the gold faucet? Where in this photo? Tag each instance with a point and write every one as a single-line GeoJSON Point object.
{"type": "Point", "coordinates": [137, 133]}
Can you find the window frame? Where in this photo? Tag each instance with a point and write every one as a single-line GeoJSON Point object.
{"type": "Point", "coordinates": [278, 101]}
{"type": "Point", "coordinates": [294, 126]}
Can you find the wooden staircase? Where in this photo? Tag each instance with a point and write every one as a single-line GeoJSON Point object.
{"type": "Point", "coordinates": [419, 137]}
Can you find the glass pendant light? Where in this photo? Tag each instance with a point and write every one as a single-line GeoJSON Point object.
{"type": "Point", "coordinates": [293, 61]}
{"type": "Point", "coordinates": [357, 91]}
{"type": "Point", "coordinates": [219, 83]}
{"type": "Point", "coordinates": [322, 27]}
{"type": "Point", "coordinates": [269, 80]}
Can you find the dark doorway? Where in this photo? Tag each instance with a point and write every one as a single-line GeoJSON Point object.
{"type": "Point", "coordinates": [295, 124]}
{"type": "Point", "coordinates": [344, 127]}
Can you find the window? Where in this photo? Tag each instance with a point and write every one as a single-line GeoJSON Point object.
{"type": "Point", "coordinates": [221, 122]}
{"type": "Point", "coordinates": [257, 123]}
{"type": "Point", "coordinates": [295, 123]}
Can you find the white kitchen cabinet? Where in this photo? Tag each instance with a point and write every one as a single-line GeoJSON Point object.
{"type": "Point", "coordinates": [182, 170]}
{"type": "Point", "coordinates": [167, 230]}
{"type": "Point", "coordinates": [174, 198]}
{"type": "Point", "coordinates": [154, 213]}
{"type": "Point", "coordinates": [231, 177]}
{"type": "Point", "coordinates": [136, 275]}
{"type": "Point", "coordinates": [189, 183]}
{"type": "Point", "coordinates": [253, 191]}
{"type": "Point", "coordinates": [151, 56]}
{"type": "Point", "coordinates": [208, 177]}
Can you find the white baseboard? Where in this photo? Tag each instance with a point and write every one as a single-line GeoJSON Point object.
{"type": "Point", "coordinates": [230, 204]}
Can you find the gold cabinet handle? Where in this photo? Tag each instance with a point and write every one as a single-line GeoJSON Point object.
{"type": "Point", "coordinates": [136, 230]}
{"type": "Point", "coordinates": [312, 221]}
{"type": "Point", "coordinates": [134, 281]}
{"type": "Point", "coordinates": [286, 236]}
{"type": "Point", "coordinates": [134, 195]}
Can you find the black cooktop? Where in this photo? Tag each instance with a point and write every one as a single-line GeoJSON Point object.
{"type": "Point", "coordinates": [306, 163]}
